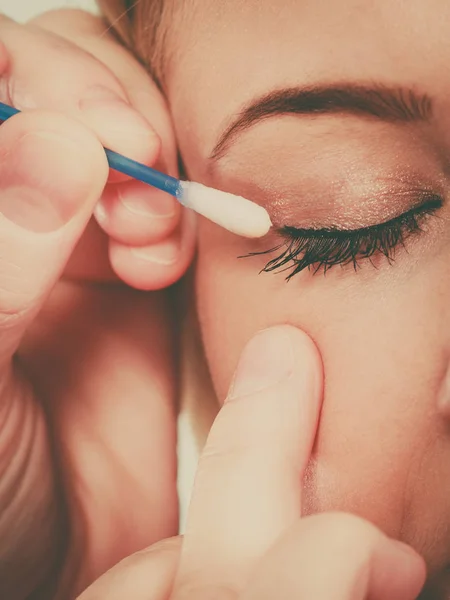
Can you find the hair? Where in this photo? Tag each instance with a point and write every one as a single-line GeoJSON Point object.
{"type": "Point", "coordinates": [141, 26]}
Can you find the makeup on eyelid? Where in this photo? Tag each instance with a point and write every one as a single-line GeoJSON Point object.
{"type": "Point", "coordinates": [344, 218]}
{"type": "Point", "coordinates": [295, 249]}
{"type": "Point", "coordinates": [349, 207]}
{"type": "Point", "coordinates": [332, 175]}
{"type": "Point", "coordinates": [346, 205]}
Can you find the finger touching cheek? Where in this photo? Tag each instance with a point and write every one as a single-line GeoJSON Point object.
{"type": "Point", "coordinates": [248, 484]}
{"type": "Point", "coordinates": [158, 265]}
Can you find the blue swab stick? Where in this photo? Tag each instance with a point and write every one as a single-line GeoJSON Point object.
{"type": "Point", "coordinates": [235, 213]}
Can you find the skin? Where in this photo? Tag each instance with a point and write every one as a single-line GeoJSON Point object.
{"type": "Point", "coordinates": [82, 439]}
{"type": "Point", "coordinates": [334, 311]}
{"type": "Point", "coordinates": [246, 536]}
{"type": "Point", "coordinates": [382, 450]}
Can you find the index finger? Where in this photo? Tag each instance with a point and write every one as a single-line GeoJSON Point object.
{"type": "Point", "coordinates": [70, 80]}
{"type": "Point", "coordinates": [249, 480]}
{"type": "Point", "coordinates": [89, 33]}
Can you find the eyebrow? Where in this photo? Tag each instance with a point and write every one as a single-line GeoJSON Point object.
{"type": "Point", "coordinates": [397, 104]}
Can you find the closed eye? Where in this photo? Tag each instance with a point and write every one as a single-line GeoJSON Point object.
{"type": "Point", "coordinates": [324, 248]}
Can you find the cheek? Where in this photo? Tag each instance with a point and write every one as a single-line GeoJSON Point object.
{"type": "Point", "coordinates": [384, 339]}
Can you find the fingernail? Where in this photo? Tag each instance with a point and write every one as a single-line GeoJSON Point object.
{"type": "Point", "coordinates": [119, 126]}
{"type": "Point", "coordinates": [167, 253]}
{"type": "Point", "coordinates": [144, 201]}
{"type": "Point", "coordinates": [266, 360]}
{"type": "Point", "coordinates": [30, 197]}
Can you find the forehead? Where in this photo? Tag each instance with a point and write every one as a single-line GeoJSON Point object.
{"type": "Point", "coordinates": [230, 52]}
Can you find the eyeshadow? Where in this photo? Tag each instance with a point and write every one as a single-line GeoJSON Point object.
{"type": "Point", "coordinates": [344, 206]}
{"type": "Point", "coordinates": [339, 176]}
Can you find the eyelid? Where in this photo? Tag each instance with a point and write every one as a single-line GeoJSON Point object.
{"type": "Point", "coordinates": [431, 201]}
{"type": "Point", "coordinates": [356, 204]}
{"type": "Point", "coordinates": [325, 248]}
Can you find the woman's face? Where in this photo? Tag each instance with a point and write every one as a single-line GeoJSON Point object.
{"type": "Point", "coordinates": [350, 128]}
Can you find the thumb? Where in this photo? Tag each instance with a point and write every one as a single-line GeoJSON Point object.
{"type": "Point", "coordinates": [146, 575]}
{"type": "Point", "coordinates": [52, 171]}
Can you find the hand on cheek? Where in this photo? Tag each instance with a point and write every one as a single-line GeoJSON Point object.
{"type": "Point", "coordinates": [245, 537]}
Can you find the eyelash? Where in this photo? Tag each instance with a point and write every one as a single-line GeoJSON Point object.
{"type": "Point", "coordinates": [325, 248]}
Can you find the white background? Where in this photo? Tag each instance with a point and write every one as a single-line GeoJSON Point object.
{"type": "Point", "coordinates": [22, 10]}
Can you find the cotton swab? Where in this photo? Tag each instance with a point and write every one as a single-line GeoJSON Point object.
{"type": "Point", "coordinates": [234, 213]}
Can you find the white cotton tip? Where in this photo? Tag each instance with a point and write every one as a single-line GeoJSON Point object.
{"type": "Point", "coordinates": [237, 214]}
